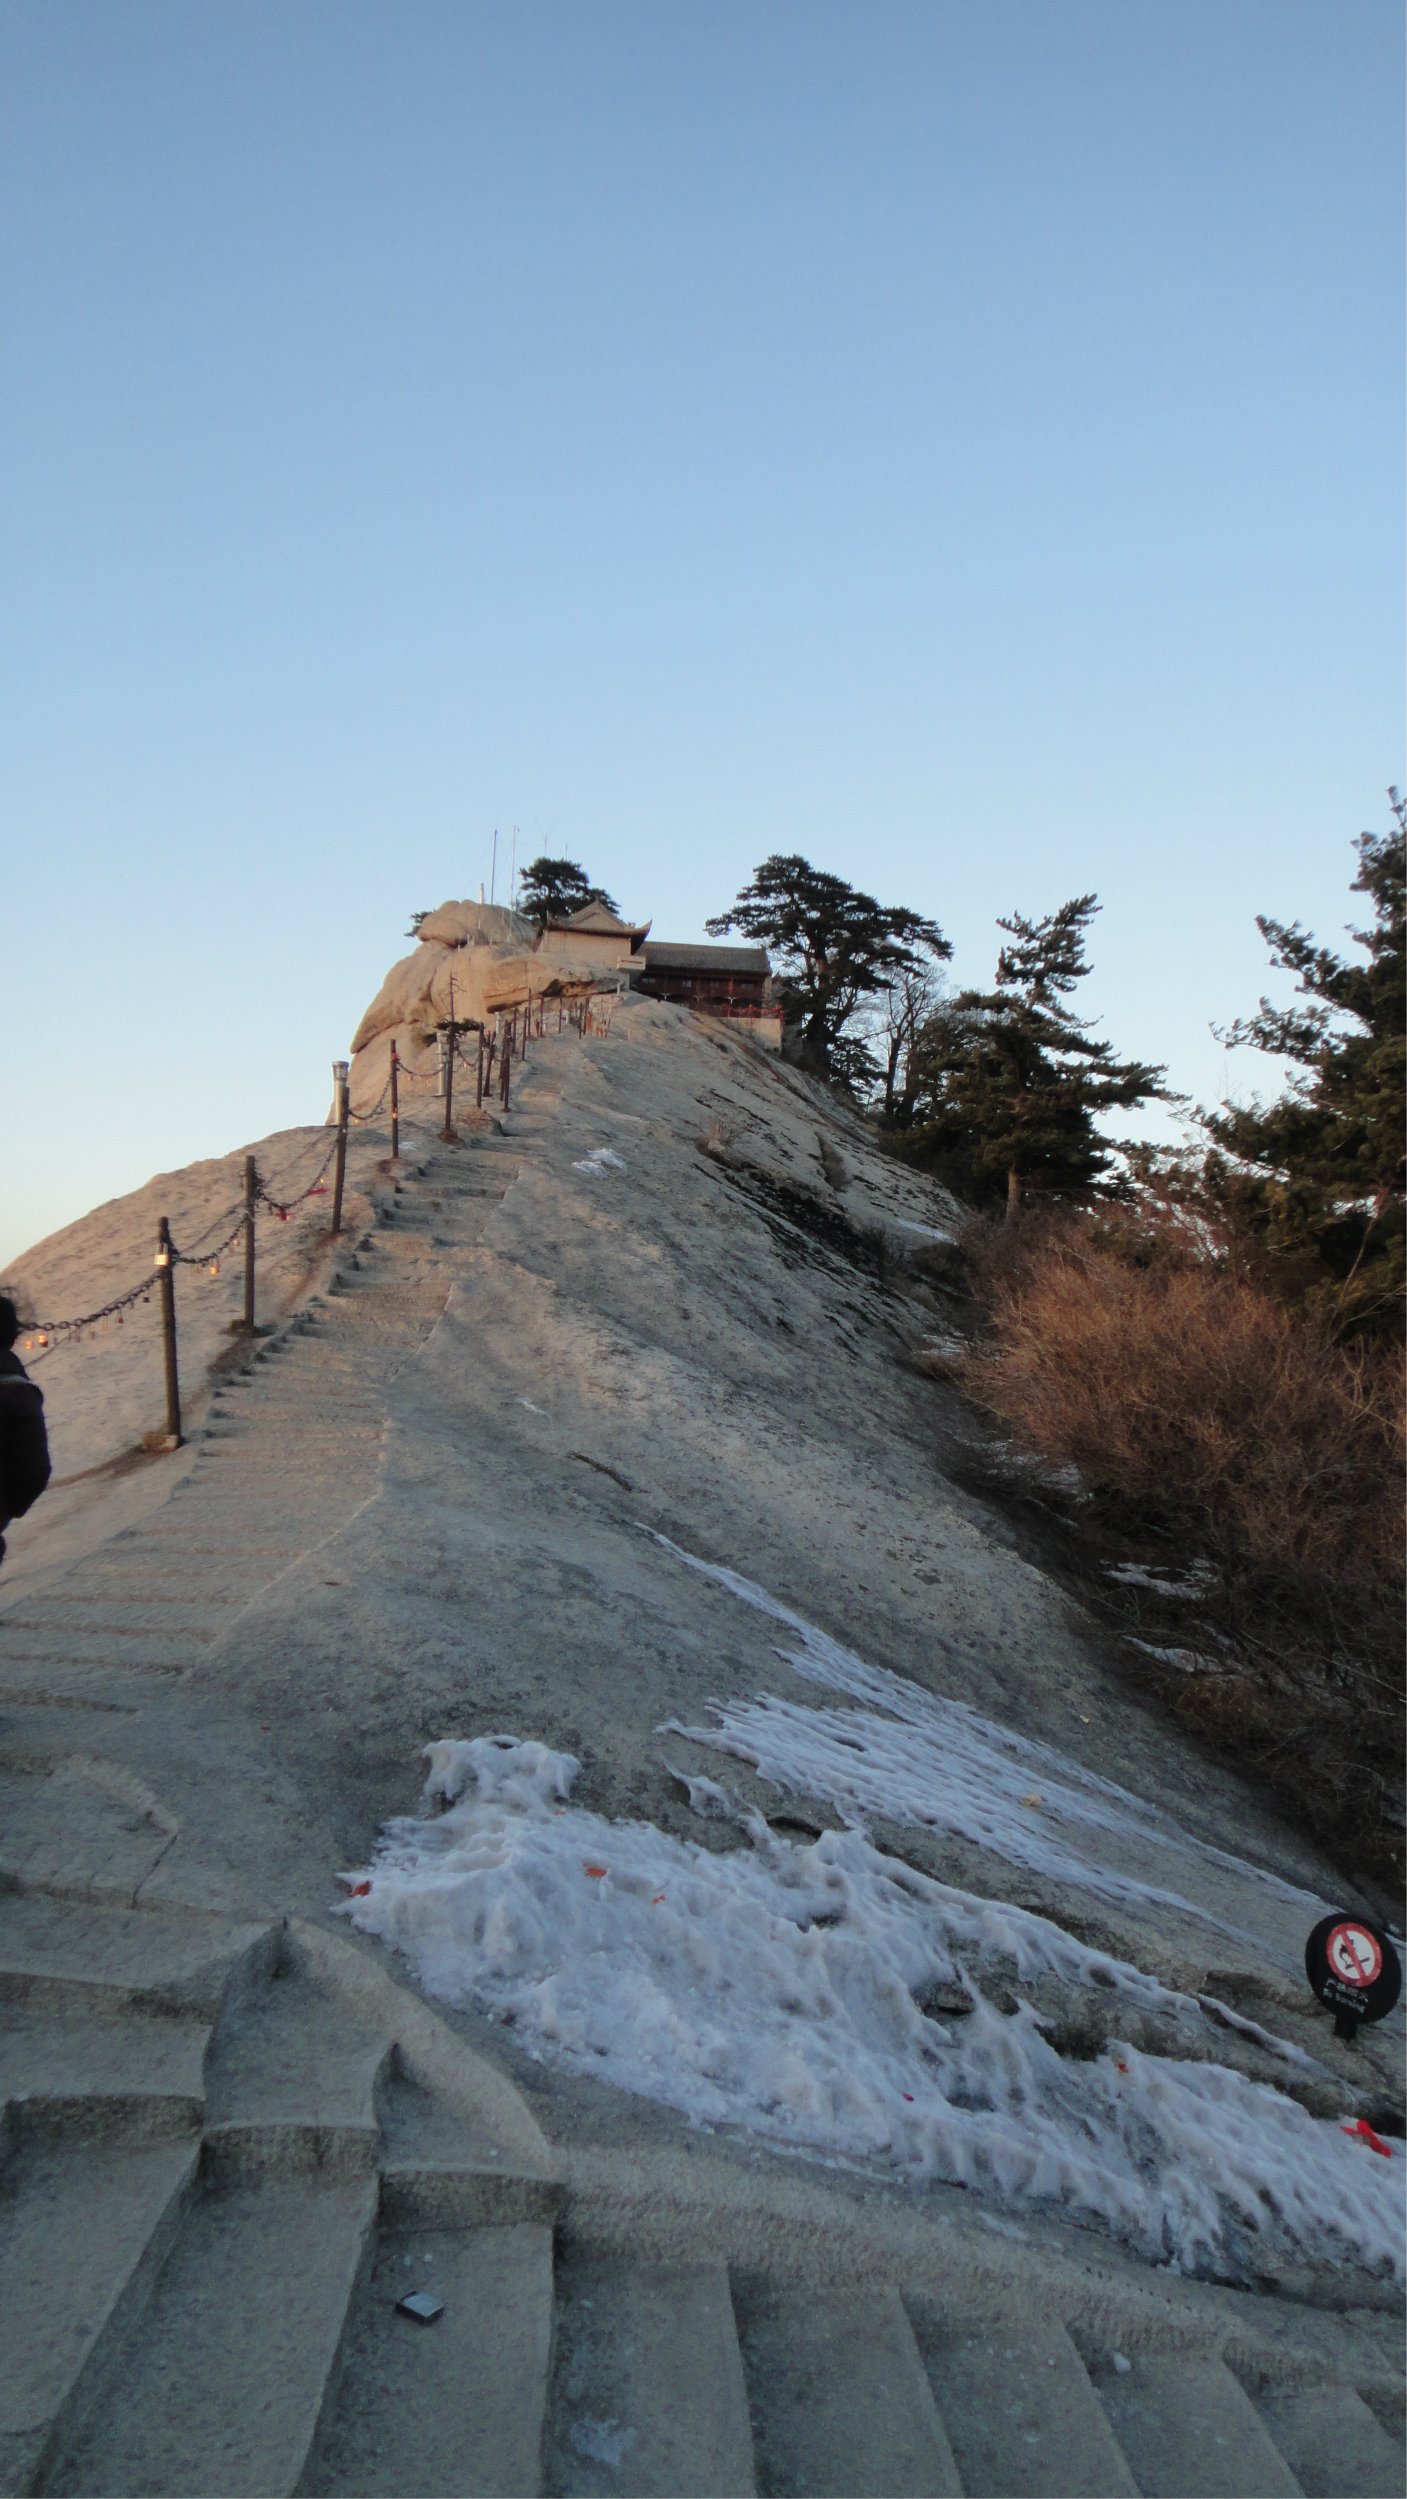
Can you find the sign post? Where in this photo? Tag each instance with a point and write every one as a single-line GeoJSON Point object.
{"type": "Point", "coordinates": [1354, 1971]}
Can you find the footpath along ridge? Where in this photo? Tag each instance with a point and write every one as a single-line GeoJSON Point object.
{"type": "Point", "coordinates": [233, 2139]}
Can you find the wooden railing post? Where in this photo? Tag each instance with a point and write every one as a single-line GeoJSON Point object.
{"type": "Point", "coordinates": [340, 1072]}
{"type": "Point", "coordinates": [450, 1040]}
{"type": "Point", "coordinates": [251, 1191]}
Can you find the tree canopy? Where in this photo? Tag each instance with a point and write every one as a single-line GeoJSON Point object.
{"type": "Point", "coordinates": [1007, 1083]}
{"type": "Point", "coordinates": [551, 889]}
{"type": "Point", "coordinates": [1321, 1170]}
{"type": "Point", "coordinates": [833, 948]}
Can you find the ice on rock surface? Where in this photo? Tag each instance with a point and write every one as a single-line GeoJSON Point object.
{"type": "Point", "coordinates": [773, 1987]}
{"type": "Point", "coordinates": [598, 1160]}
{"type": "Point", "coordinates": [938, 1764]}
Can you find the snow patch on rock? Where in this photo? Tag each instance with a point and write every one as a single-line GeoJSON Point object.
{"type": "Point", "coordinates": [776, 1987]}
{"type": "Point", "coordinates": [914, 1757]}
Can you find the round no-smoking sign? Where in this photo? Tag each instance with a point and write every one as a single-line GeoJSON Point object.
{"type": "Point", "coordinates": [1352, 1967]}
{"type": "Point", "coordinates": [1354, 1954]}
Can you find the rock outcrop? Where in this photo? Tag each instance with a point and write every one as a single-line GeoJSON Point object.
{"type": "Point", "coordinates": [471, 960]}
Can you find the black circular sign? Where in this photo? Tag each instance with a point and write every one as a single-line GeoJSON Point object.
{"type": "Point", "coordinates": [1353, 1968]}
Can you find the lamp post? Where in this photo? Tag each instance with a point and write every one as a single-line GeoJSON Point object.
{"type": "Point", "coordinates": [166, 1278]}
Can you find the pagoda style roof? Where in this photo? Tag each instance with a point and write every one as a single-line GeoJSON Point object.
{"type": "Point", "coordinates": [595, 921]}
{"type": "Point", "coordinates": [667, 958]}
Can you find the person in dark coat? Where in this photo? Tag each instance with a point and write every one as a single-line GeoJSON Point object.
{"type": "Point", "coordinates": [24, 1443]}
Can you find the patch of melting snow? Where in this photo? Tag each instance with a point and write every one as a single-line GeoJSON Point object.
{"type": "Point", "coordinates": [930, 1231]}
{"type": "Point", "coordinates": [773, 1987]}
{"type": "Point", "coordinates": [1004, 2229]}
{"type": "Point", "coordinates": [914, 1757]}
{"type": "Point", "coordinates": [1186, 1661]}
{"type": "Point", "coordinates": [599, 1160]}
{"type": "Point", "coordinates": [1193, 1583]}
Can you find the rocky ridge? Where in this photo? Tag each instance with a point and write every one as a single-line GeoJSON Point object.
{"type": "Point", "coordinates": [678, 1292]}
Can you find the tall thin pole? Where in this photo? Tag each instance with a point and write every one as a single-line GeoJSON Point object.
{"type": "Point", "coordinates": [479, 1096]}
{"type": "Point", "coordinates": [395, 1105]}
{"type": "Point", "coordinates": [166, 1278]}
{"type": "Point", "coordinates": [493, 872]}
{"type": "Point", "coordinates": [447, 1132]}
{"type": "Point", "coordinates": [251, 1191]}
{"type": "Point", "coordinates": [339, 1078]}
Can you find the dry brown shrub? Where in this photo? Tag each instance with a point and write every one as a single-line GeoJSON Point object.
{"type": "Point", "coordinates": [1196, 1408]}
{"type": "Point", "coordinates": [1200, 1400]}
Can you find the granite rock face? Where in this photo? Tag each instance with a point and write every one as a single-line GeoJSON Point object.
{"type": "Point", "coordinates": [471, 960]}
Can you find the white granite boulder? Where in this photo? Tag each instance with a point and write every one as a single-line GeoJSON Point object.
{"type": "Point", "coordinates": [476, 924]}
{"type": "Point", "coordinates": [406, 987]}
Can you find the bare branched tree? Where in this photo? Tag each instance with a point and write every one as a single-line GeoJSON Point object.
{"type": "Point", "coordinates": [897, 1017]}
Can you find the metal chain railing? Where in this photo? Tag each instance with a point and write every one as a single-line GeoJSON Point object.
{"type": "Point", "coordinates": [283, 1206]}
{"type": "Point", "coordinates": [498, 1046]}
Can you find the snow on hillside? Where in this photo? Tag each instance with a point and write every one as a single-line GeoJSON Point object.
{"type": "Point", "coordinates": [782, 1989]}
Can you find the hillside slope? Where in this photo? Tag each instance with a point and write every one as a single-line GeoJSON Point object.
{"type": "Point", "coordinates": [788, 1809]}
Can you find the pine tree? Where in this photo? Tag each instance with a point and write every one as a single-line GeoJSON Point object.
{"type": "Point", "coordinates": [551, 889]}
{"type": "Point", "coordinates": [834, 948]}
{"type": "Point", "coordinates": [1322, 1169]}
{"type": "Point", "coordinates": [1009, 1082]}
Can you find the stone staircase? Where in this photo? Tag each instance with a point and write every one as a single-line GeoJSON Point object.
{"type": "Point", "coordinates": [290, 1448]}
{"type": "Point", "coordinates": [229, 2147]}
{"type": "Point", "coordinates": [230, 2150]}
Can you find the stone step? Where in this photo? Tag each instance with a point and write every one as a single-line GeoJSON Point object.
{"type": "Point", "coordinates": [305, 1414]}
{"type": "Point", "coordinates": [299, 1422]}
{"type": "Point", "coordinates": [172, 1554]}
{"type": "Point", "coordinates": [58, 2052]}
{"type": "Point", "coordinates": [170, 1588]}
{"type": "Point", "coordinates": [1335, 2447]}
{"type": "Point", "coordinates": [454, 2407]}
{"type": "Point", "coordinates": [48, 1648]}
{"type": "Point", "coordinates": [220, 2389]}
{"type": "Point", "coordinates": [87, 2222]}
{"type": "Point", "coordinates": [1018, 2408]}
{"type": "Point", "coordinates": [64, 1832]}
{"type": "Point", "coordinates": [290, 2059]}
{"type": "Point", "coordinates": [839, 2398]}
{"type": "Point", "coordinates": [134, 1615]}
{"type": "Point", "coordinates": [126, 1589]}
{"type": "Point", "coordinates": [648, 2397]}
{"type": "Point", "coordinates": [277, 1490]}
{"type": "Point", "coordinates": [1189, 2430]}
{"type": "Point", "coordinates": [144, 1959]}
{"type": "Point", "coordinates": [85, 1637]}
{"type": "Point", "coordinates": [300, 1425]}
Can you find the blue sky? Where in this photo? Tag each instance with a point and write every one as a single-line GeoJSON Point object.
{"type": "Point", "coordinates": [960, 443]}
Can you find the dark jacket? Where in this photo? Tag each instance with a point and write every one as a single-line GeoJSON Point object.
{"type": "Point", "coordinates": [24, 1443]}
